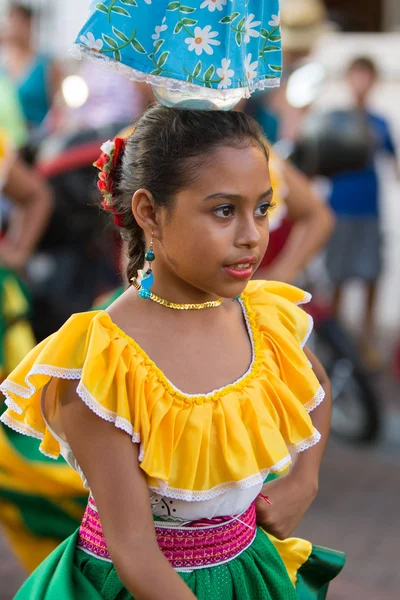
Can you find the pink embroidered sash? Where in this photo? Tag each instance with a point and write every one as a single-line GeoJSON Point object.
{"type": "Point", "coordinates": [196, 545]}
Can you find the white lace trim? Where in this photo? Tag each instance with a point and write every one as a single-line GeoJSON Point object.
{"type": "Point", "coordinates": [308, 443]}
{"type": "Point", "coordinates": [201, 496]}
{"type": "Point", "coordinates": [174, 85]}
{"type": "Point", "coordinates": [24, 429]}
{"type": "Point", "coordinates": [305, 300]}
{"type": "Point", "coordinates": [8, 386]}
{"type": "Point", "coordinates": [309, 331]}
{"type": "Point", "coordinates": [141, 453]}
{"type": "Point", "coordinates": [104, 413]}
{"type": "Point", "coordinates": [249, 370]}
{"type": "Point", "coordinates": [316, 401]}
{"type": "Point", "coordinates": [15, 388]}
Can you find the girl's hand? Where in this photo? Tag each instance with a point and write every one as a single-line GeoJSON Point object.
{"type": "Point", "coordinates": [290, 499]}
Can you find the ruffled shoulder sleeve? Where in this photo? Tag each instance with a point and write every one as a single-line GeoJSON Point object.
{"type": "Point", "coordinates": [284, 329]}
{"type": "Point", "coordinates": [89, 349]}
{"type": "Point", "coordinates": [284, 301]}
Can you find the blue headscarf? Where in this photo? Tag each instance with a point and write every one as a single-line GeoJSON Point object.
{"type": "Point", "coordinates": [222, 48]}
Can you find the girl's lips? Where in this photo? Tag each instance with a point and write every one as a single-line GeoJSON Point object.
{"type": "Point", "coordinates": [244, 271]}
{"type": "Point", "coordinates": [243, 268]}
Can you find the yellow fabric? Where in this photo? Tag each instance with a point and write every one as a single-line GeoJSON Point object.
{"type": "Point", "coordinates": [18, 338]}
{"type": "Point", "coordinates": [190, 443]}
{"type": "Point", "coordinates": [279, 186]}
{"type": "Point", "coordinates": [6, 157]}
{"type": "Point", "coordinates": [294, 552]}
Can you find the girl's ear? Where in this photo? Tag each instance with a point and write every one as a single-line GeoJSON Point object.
{"type": "Point", "coordinates": [143, 210]}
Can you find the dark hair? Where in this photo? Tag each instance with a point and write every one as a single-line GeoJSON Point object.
{"type": "Point", "coordinates": [25, 11]}
{"type": "Point", "coordinates": [164, 154]}
{"type": "Point", "coordinates": [365, 63]}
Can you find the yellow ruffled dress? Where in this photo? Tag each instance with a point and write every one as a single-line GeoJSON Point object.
{"type": "Point", "coordinates": [193, 448]}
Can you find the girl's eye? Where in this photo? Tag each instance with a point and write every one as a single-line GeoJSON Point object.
{"type": "Point", "coordinates": [225, 211]}
{"type": "Point", "coordinates": [264, 209]}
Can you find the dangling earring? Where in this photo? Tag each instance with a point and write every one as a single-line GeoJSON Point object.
{"type": "Point", "coordinates": [147, 280]}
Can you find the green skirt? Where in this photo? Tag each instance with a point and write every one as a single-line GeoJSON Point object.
{"type": "Point", "coordinates": [259, 573]}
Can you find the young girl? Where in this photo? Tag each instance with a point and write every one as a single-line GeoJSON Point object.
{"type": "Point", "coordinates": [176, 403]}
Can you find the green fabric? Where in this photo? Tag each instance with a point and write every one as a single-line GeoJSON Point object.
{"type": "Point", "coordinates": [43, 517]}
{"type": "Point", "coordinates": [12, 119]}
{"type": "Point", "coordinates": [257, 574]}
{"type": "Point", "coordinates": [69, 574]}
{"type": "Point", "coordinates": [314, 576]}
{"type": "Point", "coordinates": [109, 299]}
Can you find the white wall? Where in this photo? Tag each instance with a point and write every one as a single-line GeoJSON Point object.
{"type": "Point", "coordinates": [68, 19]}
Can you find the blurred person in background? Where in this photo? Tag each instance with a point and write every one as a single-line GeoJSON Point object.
{"type": "Point", "coordinates": [31, 200]}
{"type": "Point", "coordinates": [111, 99]}
{"type": "Point", "coordinates": [354, 251]}
{"type": "Point", "coordinates": [36, 76]}
{"type": "Point", "coordinates": [300, 224]}
{"type": "Point", "coordinates": [302, 24]}
{"type": "Point", "coordinates": [39, 499]}
{"type": "Point", "coordinates": [12, 119]}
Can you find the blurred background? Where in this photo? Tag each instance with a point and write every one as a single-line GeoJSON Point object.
{"type": "Point", "coordinates": [336, 117]}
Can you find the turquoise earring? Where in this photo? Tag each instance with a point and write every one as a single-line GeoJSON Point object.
{"type": "Point", "coordinates": [147, 280]}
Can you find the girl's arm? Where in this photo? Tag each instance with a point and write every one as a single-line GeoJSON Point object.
{"type": "Point", "coordinates": [308, 463]}
{"type": "Point", "coordinates": [109, 461]}
{"type": "Point", "coordinates": [313, 223]}
{"type": "Point", "coordinates": [292, 495]}
{"type": "Point", "coordinates": [33, 200]}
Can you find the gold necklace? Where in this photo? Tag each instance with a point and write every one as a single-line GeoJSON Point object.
{"type": "Point", "coordinates": [174, 305]}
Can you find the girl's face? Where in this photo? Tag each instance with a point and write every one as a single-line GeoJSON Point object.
{"type": "Point", "coordinates": [217, 232]}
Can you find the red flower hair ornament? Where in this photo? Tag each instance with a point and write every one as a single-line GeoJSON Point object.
{"type": "Point", "coordinates": [110, 153]}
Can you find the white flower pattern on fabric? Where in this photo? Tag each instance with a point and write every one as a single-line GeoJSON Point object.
{"type": "Point", "coordinates": [213, 4]}
{"type": "Point", "coordinates": [229, 29]}
{"type": "Point", "coordinates": [251, 67]}
{"type": "Point", "coordinates": [249, 28]}
{"type": "Point", "coordinates": [225, 73]}
{"type": "Point", "coordinates": [275, 21]}
{"type": "Point", "coordinates": [159, 29]}
{"type": "Point", "coordinates": [90, 41]}
{"type": "Point", "coordinates": [203, 40]}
